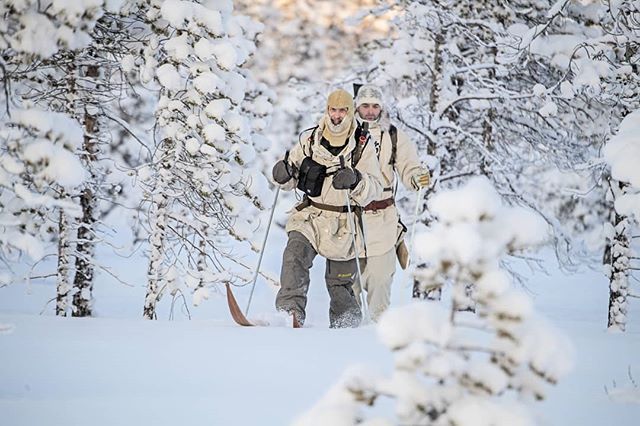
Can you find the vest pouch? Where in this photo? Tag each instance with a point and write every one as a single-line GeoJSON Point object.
{"type": "Point", "coordinates": [311, 177]}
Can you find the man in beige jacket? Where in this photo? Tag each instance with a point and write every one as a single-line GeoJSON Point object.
{"type": "Point", "coordinates": [383, 229]}
{"type": "Point", "coordinates": [327, 164]}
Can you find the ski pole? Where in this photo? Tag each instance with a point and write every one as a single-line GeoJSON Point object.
{"type": "Point", "coordinates": [406, 276]}
{"type": "Point", "coordinates": [264, 243]}
{"type": "Point", "coordinates": [415, 219]}
{"type": "Point", "coordinates": [415, 212]}
{"type": "Point", "coordinates": [352, 225]}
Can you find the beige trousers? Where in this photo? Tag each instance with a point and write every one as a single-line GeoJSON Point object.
{"type": "Point", "coordinates": [377, 276]}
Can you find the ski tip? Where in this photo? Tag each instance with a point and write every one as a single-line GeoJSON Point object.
{"type": "Point", "coordinates": [234, 309]}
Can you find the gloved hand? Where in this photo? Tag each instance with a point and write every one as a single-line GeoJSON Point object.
{"type": "Point", "coordinates": [282, 172]}
{"type": "Point", "coordinates": [346, 178]}
{"type": "Point", "coordinates": [421, 179]}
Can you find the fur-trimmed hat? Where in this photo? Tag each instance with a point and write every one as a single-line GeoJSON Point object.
{"type": "Point", "coordinates": [369, 94]}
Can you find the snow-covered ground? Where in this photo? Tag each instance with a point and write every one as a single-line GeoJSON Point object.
{"type": "Point", "coordinates": [117, 369]}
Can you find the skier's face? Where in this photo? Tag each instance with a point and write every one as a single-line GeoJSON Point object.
{"type": "Point", "coordinates": [369, 112]}
{"type": "Point", "coordinates": [337, 115]}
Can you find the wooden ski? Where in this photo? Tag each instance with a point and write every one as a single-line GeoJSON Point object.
{"type": "Point", "coordinates": [240, 318]}
{"type": "Point", "coordinates": [235, 311]}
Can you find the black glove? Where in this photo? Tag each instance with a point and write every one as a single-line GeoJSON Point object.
{"type": "Point", "coordinates": [282, 172]}
{"type": "Point", "coordinates": [346, 178]}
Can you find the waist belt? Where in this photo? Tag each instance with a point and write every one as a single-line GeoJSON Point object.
{"type": "Point", "coordinates": [372, 206]}
{"type": "Point", "coordinates": [306, 202]}
{"type": "Point", "coordinates": [379, 205]}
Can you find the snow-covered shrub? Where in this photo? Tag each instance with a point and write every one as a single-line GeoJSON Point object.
{"type": "Point", "coordinates": [454, 368]}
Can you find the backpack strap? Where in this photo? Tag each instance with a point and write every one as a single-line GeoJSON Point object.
{"type": "Point", "coordinates": [393, 133]}
{"type": "Point", "coordinates": [361, 142]}
{"type": "Point", "coordinates": [309, 139]}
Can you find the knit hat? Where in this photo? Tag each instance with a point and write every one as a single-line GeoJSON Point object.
{"type": "Point", "coordinates": [369, 94]}
{"type": "Point", "coordinates": [338, 134]}
{"type": "Point", "coordinates": [340, 99]}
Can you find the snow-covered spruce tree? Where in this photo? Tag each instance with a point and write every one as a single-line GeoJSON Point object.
{"type": "Point", "coordinates": [199, 183]}
{"type": "Point", "coordinates": [454, 368]}
{"type": "Point", "coordinates": [40, 43]}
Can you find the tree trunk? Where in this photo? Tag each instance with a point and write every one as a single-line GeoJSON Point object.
{"type": "Point", "coordinates": [156, 239]}
{"type": "Point", "coordinates": [158, 232]}
{"type": "Point", "coordinates": [85, 247]}
{"type": "Point", "coordinates": [85, 250]}
{"type": "Point", "coordinates": [434, 99]}
{"type": "Point", "coordinates": [436, 84]}
{"type": "Point", "coordinates": [487, 124]}
{"type": "Point", "coordinates": [202, 256]}
{"type": "Point", "coordinates": [617, 259]}
{"type": "Point", "coordinates": [63, 284]}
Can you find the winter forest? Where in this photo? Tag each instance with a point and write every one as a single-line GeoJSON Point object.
{"type": "Point", "coordinates": [137, 140]}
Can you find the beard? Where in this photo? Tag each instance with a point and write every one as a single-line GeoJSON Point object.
{"type": "Point", "coordinates": [336, 121]}
{"type": "Point", "coordinates": [370, 117]}
{"type": "Point", "coordinates": [338, 127]}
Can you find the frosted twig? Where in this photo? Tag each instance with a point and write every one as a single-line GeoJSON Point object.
{"type": "Point", "coordinates": [41, 277]}
{"type": "Point", "coordinates": [28, 276]}
{"type": "Point", "coordinates": [444, 109]}
{"type": "Point", "coordinates": [633, 382]}
{"type": "Point", "coordinates": [177, 294]}
{"type": "Point", "coordinates": [47, 304]}
{"type": "Point", "coordinates": [6, 88]}
{"type": "Point", "coordinates": [106, 269]}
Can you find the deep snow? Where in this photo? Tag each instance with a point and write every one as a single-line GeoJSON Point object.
{"type": "Point", "coordinates": [119, 369]}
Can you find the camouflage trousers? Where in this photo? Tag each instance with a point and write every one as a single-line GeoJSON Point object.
{"type": "Point", "coordinates": [297, 260]}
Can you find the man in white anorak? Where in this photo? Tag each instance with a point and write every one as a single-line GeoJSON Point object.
{"type": "Point", "coordinates": [329, 166]}
{"type": "Point", "coordinates": [384, 232]}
